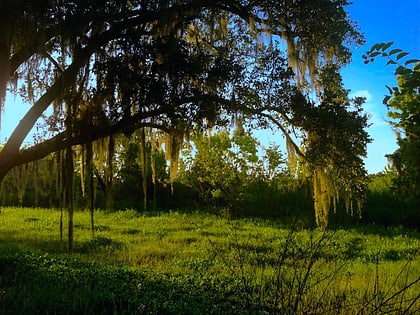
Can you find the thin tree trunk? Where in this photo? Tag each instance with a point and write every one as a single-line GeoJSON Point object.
{"type": "Point", "coordinates": [69, 171]}
{"type": "Point", "coordinates": [143, 162]}
{"type": "Point", "coordinates": [36, 182]}
{"type": "Point", "coordinates": [61, 223]}
{"type": "Point", "coordinates": [153, 150]}
{"type": "Point", "coordinates": [110, 173]}
{"type": "Point", "coordinates": [60, 188]}
{"type": "Point", "coordinates": [90, 191]}
{"type": "Point", "coordinates": [69, 196]}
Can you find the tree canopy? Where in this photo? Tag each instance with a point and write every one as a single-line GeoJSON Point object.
{"type": "Point", "coordinates": [110, 67]}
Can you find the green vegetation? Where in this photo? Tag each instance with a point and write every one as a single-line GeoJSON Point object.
{"type": "Point", "coordinates": [161, 71]}
{"type": "Point", "coordinates": [153, 107]}
{"type": "Point", "coordinates": [186, 263]}
{"type": "Point", "coordinates": [221, 174]}
{"type": "Point", "coordinates": [403, 103]}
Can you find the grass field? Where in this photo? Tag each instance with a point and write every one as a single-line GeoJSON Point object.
{"type": "Point", "coordinates": [180, 263]}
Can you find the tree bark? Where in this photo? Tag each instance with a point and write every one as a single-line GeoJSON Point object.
{"type": "Point", "coordinates": [90, 188]}
{"type": "Point", "coordinates": [69, 196]}
{"type": "Point", "coordinates": [69, 171]}
{"type": "Point", "coordinates": [143, 166]}
{"type": "Point", "coordinates": [109, 174]}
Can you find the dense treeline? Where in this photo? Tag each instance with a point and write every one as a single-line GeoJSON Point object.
{"type": "Point", "coordinates": [228, 173]}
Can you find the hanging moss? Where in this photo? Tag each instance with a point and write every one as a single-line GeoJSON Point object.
{"type": "Point", "coordinates": [292, 159]}
{"type": "Point", "coordinates": [173, 145]}
{"type": "Point", "coordinates": [324, 193]}
{"type": "Point", "coordinates": [101, 150]}
{"type": "Point", "coordinates": [103, 161]}
{"type": "Point", "coordinates": [327, 191]}
{"type": "Point", "coordinates": [20, 176]}
{"type": "Point", "coordinates": [304, 60]}
{"type": "Point", "coordinates": [171, 152]}
{"type": "Point", "coordinates": [238, 123]}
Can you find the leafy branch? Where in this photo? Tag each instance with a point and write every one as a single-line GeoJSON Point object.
{"type": "Point", "coordinates": [396, 57]}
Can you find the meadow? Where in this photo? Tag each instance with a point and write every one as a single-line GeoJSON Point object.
{"type": "Point", "coordinates": [200, 263]}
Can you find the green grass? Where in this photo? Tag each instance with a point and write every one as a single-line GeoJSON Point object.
{"type": "Point", "coordinates": [180, 263]}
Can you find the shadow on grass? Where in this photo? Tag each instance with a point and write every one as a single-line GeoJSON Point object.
{"type": "Point", "coordinates": [40, 246]}
{"type": "Point", "coordinates": [99, 243]}
{"type": "Point", "coordinates": [57, 247]}
{"type": "Point", "coordinates": [32, 284]}
{"type": "Point", "coordinates": [376, 229]}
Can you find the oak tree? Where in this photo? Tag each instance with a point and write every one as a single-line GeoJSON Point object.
{"type": "Point", "coordinates": [110, 67]}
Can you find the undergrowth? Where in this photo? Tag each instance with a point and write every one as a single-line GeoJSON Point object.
{"type": "Point", "coordinates": [202, 264]}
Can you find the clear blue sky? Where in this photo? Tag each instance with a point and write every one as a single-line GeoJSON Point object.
{"type": "Point", "coordinates": [380, 21]}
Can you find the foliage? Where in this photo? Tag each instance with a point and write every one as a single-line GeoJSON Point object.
{"type": "Point", "coordinates": [34, 184]}
{"type": "Point", "coordinates": [128, 192]}
{"type": "Point", "coordinates": [333, 138]}
{"type": "Point", "coordinates": [385, 206]}
{"type": "Point", "coordinates": [269, 192]}
{"type": "Point", "coordinates": [403, 104]}
{"type": "Point", "coordinates": [217, 173]}
{"type": "Point", "coordinates": [326, 135]}
{"type": "Point", "coordinates": [124, 65]}
{"type": "Point", "coordinates": [114, 67]}
{"type": "Point", "coordinates": [189, 263]}
{"type": "Point", "coordinates": [69, 286]}
{"type": "Point", "coordinates": [234, 175]}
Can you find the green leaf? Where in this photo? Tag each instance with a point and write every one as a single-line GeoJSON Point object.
{"type": "Point", "coordinates": [402, 55]}
{"type": "Point", "coordinates": [386, 99]}
{"type": "Point", "coordinates": [389, 89]}
{"type": "Point", "coordinates": [411, 61]}
{"type": "Point", "coordinates": [391, 62]}
{"type": "Point", "coordinates": [376, 47]}
{"type": "Point", "coordinates": [402, 71]}
{"type": "Point", "coordinates": [394, 51]}
{"type": "Point", "coordinates": [387, 45]}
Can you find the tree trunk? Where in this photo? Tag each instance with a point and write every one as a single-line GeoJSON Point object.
{"type": "Point", "coordinates": [69, 171]}
{"type": "Point", "coordinates": [69, 195]}
{"type": "Point", "coordinates": [90, 190]}
{"type": "Point", "coordinates": [143, 162]}
{"type": "Point", "coordinates": [60, 187]}
{"type": "Point", "coordinates": [110, 173]}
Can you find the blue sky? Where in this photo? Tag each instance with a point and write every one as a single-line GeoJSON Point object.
{"type": "Point", "coordinates": [380, 21]}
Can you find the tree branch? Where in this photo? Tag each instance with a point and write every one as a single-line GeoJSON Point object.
{"type": "Point", "coordinates": [81, 136]}
{"type": "Point", "coordinates": [285, 132]}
